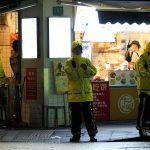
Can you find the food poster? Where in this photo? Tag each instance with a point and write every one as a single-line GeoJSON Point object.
{"type": "Point", "coordinates": [61, 81]}
{"type": "Point", "coordinates": [122, 78]}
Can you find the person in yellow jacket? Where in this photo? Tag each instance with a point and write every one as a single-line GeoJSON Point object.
{"type": "Point", "coordinates": [142, 68]}
{"type": "Point", "coordinates": [80, 71]}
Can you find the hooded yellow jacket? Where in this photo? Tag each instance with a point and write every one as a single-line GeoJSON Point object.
{"type": "Point", "coordinates": [142, 68]}
{"type": "Point", "coordinates": [79, 80]}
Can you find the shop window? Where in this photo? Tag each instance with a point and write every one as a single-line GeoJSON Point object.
{"type": "Point", "coordinates": [29, 38]}
{"type": "Point", "coordinates": [59, 37]}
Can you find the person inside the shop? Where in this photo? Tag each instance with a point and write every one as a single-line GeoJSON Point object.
{"type": "Point", "coordinates": [142, 68]}
{"type": "Point", "coordinates": [80, 71]}
{"type": "Point", "coordinates": [15, 65]}
{"type": "Point", "coordinates": [135, 48]}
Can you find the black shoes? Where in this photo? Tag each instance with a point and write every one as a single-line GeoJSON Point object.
{"type": "Point", "coordinates": [93, 139]}
{"type": "Point", "coordinates": [75, 138]}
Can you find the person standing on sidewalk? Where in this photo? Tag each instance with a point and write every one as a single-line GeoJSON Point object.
{"type": "Point", "coordinates": [142, 68]}
{"type": "Point", "coordinates": [15, 63]}
{"type": "Point", "coordinates": [79, 71]}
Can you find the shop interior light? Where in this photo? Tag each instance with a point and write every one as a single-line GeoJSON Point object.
{"type": "Point", "coordinates": [82, 20]}
{"type": "Point", "coordinates": [71, 3]}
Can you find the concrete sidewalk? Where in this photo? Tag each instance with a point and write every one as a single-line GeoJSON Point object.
{"type": "Point", "coordinates": [107, 132]}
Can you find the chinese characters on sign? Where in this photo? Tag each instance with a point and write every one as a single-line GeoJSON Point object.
{"type": "Point", "coordinates": [31, 83]}
{"type": "Point", "coordinates": [101, 100]}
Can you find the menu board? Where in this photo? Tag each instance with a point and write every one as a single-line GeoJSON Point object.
{"type": "Point", "coordinates": [101, 100]}
{"type": "Point", "coordinates": [122, 78]}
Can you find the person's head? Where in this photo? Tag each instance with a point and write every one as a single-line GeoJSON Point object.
{"type": "Point", "coordinates": [147, 48]}
{"type": "Point", "coordinates": [76, 48]}
{"type": "Point", "coordinates": [135, 45]}
{"type": "Point", "coordinates": [15, 45]}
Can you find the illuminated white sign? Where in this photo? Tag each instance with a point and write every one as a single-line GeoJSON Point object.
{"type": "Point", "coordinates": [29, 38]}
{"type": "Point", "coordinates": [86, 18]}
{"type": "Point", "coordinates": [59, 37]}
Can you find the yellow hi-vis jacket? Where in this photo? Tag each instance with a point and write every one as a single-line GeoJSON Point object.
{"type": "Point", "coordinates": [79, 80]}
{"type": "Point", "coordinates": [142, 68]}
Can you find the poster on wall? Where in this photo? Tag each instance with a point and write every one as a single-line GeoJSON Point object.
{"type": "Point", "coordinates": [101, 100]}
{"type": "Point", "coordinates": [61, 81]}
{"type": "Point", "coordinates": [31, 83]}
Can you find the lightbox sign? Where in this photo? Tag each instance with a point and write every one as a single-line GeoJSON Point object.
{"type": "Point", "coordinates": [86, 18]}
{"type": "Point", "coordinates": [59, 37]}
{"type": "Point", "coordinates": [29, 38]}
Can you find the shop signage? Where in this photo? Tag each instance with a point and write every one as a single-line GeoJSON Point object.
{"type": "Point", "coordinates": [126, 103]}
{"type": "Point", "coordinates": [58, 11]}
{"type": "Point", "coordinates": [101, 100]}
{"type": "Point", "coordinates": [31, 83]}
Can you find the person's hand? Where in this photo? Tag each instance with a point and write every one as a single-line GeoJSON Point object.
{"type": "Point", "coordinates": [84, 66]}
{"type": "Point", "coordinates": [73, 64]}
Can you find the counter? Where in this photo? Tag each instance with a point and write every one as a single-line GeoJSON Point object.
{"type": "Point", "coordinates": [124, 103]}
{"type": "Point", "coordinates": [114, 102]}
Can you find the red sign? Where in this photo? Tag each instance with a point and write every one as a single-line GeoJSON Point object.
{"type": "Point", "coordinates": [31, 83]}
{"type": "Point", "coordinates": [101, 100]}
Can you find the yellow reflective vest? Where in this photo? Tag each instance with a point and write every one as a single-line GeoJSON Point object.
{"type": "Point", "coordinates": [79, 80]}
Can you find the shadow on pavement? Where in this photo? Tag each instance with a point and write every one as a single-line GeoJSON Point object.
{"type": "Point", "coordinates": [137, 139]}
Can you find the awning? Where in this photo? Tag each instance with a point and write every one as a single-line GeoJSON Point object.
{"type": "Point", "coordinates": [9, 5]}
{"type": "Point", "coordinates": [123, 17]}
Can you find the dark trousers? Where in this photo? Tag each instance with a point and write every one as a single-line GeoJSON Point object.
{"type": "Point", "coordinates": [17, 103]}
{"type": "Point", "coordinates": [143, 110]}
{"type": "Point", "coordinates": [79, 109]}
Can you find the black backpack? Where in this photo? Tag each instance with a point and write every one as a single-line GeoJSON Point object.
{"type": "Point", "coordinates": [128, 56]}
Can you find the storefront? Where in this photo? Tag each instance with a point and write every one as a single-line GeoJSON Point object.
{"type": "Point", "coordinates": [14, 28]}
{"type": "Point", "coordinates": [8, 34]}
{"type": "Point", "coordinates": [106, 44]}
{"type": "Point", "coordinates": [42, 67]}
{"type": "Point", "coordinates": [33, 22]}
